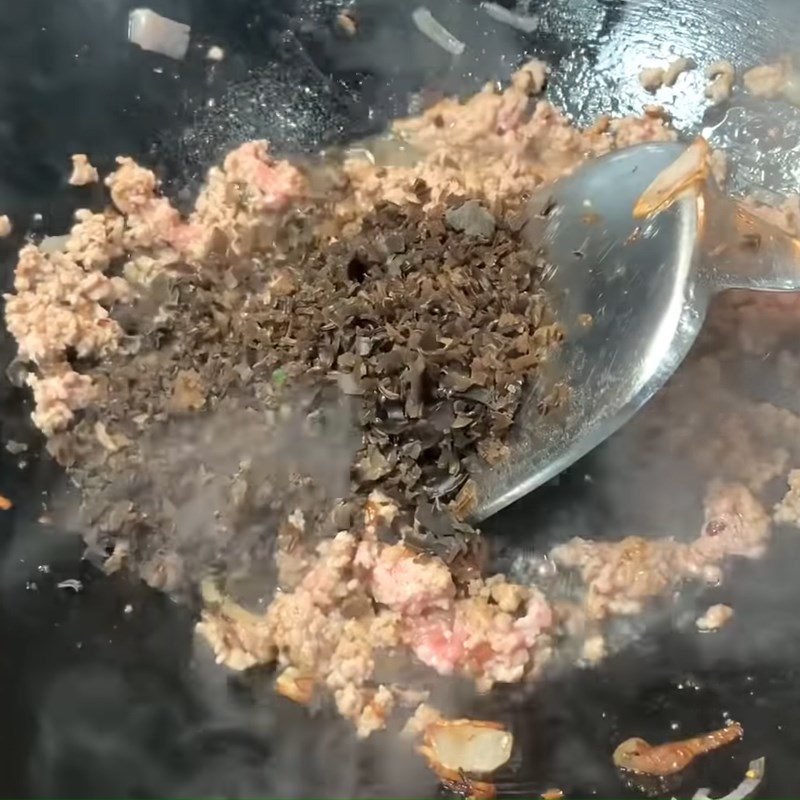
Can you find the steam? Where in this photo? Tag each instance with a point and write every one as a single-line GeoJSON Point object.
{"type": "Point", "coordinates": [219, 486]}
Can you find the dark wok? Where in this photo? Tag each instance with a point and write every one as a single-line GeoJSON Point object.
{"type": "Point", "coordinates": [100, 701]}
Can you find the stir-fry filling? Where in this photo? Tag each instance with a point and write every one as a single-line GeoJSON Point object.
{"type": "Point", "coordinates": [281, 397]}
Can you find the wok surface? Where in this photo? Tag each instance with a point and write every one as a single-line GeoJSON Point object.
{"type": "Point", "coordinates": [100, 700]}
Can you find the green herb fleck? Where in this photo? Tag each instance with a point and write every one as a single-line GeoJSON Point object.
{"type": "Point", "coordinates": [279, 377]}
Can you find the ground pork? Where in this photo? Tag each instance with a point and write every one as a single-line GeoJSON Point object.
{"type": "Point", "coordinates": [676, 69]}
{"type": "Point", "coordinates": [788, 510]}
{"type": "Point", "coordinates": [493, 146]}
{"type": "Point", "coordinates": [622, 576]}
{"type": "Point", "coordinates": [651, 78]}
{"type": "Point", "coordinates": [62, 298]}
{"type": "Point", "coordinates": [767, 80]}
{"type": "Point", "coordinates": [479, 639]}
{"type": "Point", "coordinates": [743, 440]}
{"type": "Point", "coordinates": [61, 305]}
{"type": "Point", "coordinates": [722, 76]}
{"type": "Point", "coordinates": [83, 173]}
{"type": "Point", "coordinates": [306, 630]}
{"type": "Point", "coordinates": [413, 603]}
{"type": "Point", "coordinates": [410, 584]}
{"type": "Point", "coordinates": [57, 397]}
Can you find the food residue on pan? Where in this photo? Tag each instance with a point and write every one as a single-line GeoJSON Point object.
{"type": "Point", "coordinates": [215, 53]}
{"type": "Point", "coordinates": [662, 760]}
{"type": "Point", "coordinates": [401, 302]}
{"type": "Point", "coordinates": [83, 173]}
{"type": "Point", "coordinates": [653, 78]}
{"type": "Point", "coordinates": [715, 617]}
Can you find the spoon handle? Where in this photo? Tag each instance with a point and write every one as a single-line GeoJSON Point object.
{"type": "Point", "coordinates": [742, 251]}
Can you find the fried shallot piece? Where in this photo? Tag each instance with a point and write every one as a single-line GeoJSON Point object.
{"type": "Point", "coordinates": [661, 760]}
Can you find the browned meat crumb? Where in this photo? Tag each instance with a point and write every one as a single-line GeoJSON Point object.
{"type": "Point", "coordinates": [767, 80]}
{"type": "Point", "coordinates": [715, 617]}
{"type": "Point", "coordinates": [652, 78]}
{"type": "Point", "coordinates": [622, 576]}
{"type": "Point", "coordinates": [676, 69]}
{"type": "Point", "coordinates": [5, 226]}
{"type": "Point", "coordinates": [83, 173]}
{"type": "Point", "coordinates": [722, 77]}
{"type": "Point", "coordinates": [188, 393]}
{"type": "Point", "coordinates": [495, 146]}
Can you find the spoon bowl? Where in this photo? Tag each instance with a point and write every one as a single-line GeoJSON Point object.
{"type": "Point", "coordinates": [631, 296]}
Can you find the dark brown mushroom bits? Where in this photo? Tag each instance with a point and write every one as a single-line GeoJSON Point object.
{"type": "Point", "coordinates": [431, 330]}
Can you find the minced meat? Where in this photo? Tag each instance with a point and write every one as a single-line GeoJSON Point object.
{"type": "Point", "coordinates": [198, 375]}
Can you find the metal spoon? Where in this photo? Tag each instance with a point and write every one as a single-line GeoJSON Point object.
{"type": "Point", "coordinates": [646, 285]}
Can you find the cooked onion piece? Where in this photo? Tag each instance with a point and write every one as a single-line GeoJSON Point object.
{"type": "Point", "coordinates": [661, 760]}
{"type": "Point", "coordinates": [526, 24]}
{"type": "Point", "coordinates": [428, 25]}
{"type": "Point", "coordinates": [158, 34]}
{"type": "Point", "coordinates": [468, 745]}
{"type": "Point", "coordinates": [688, 172]}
